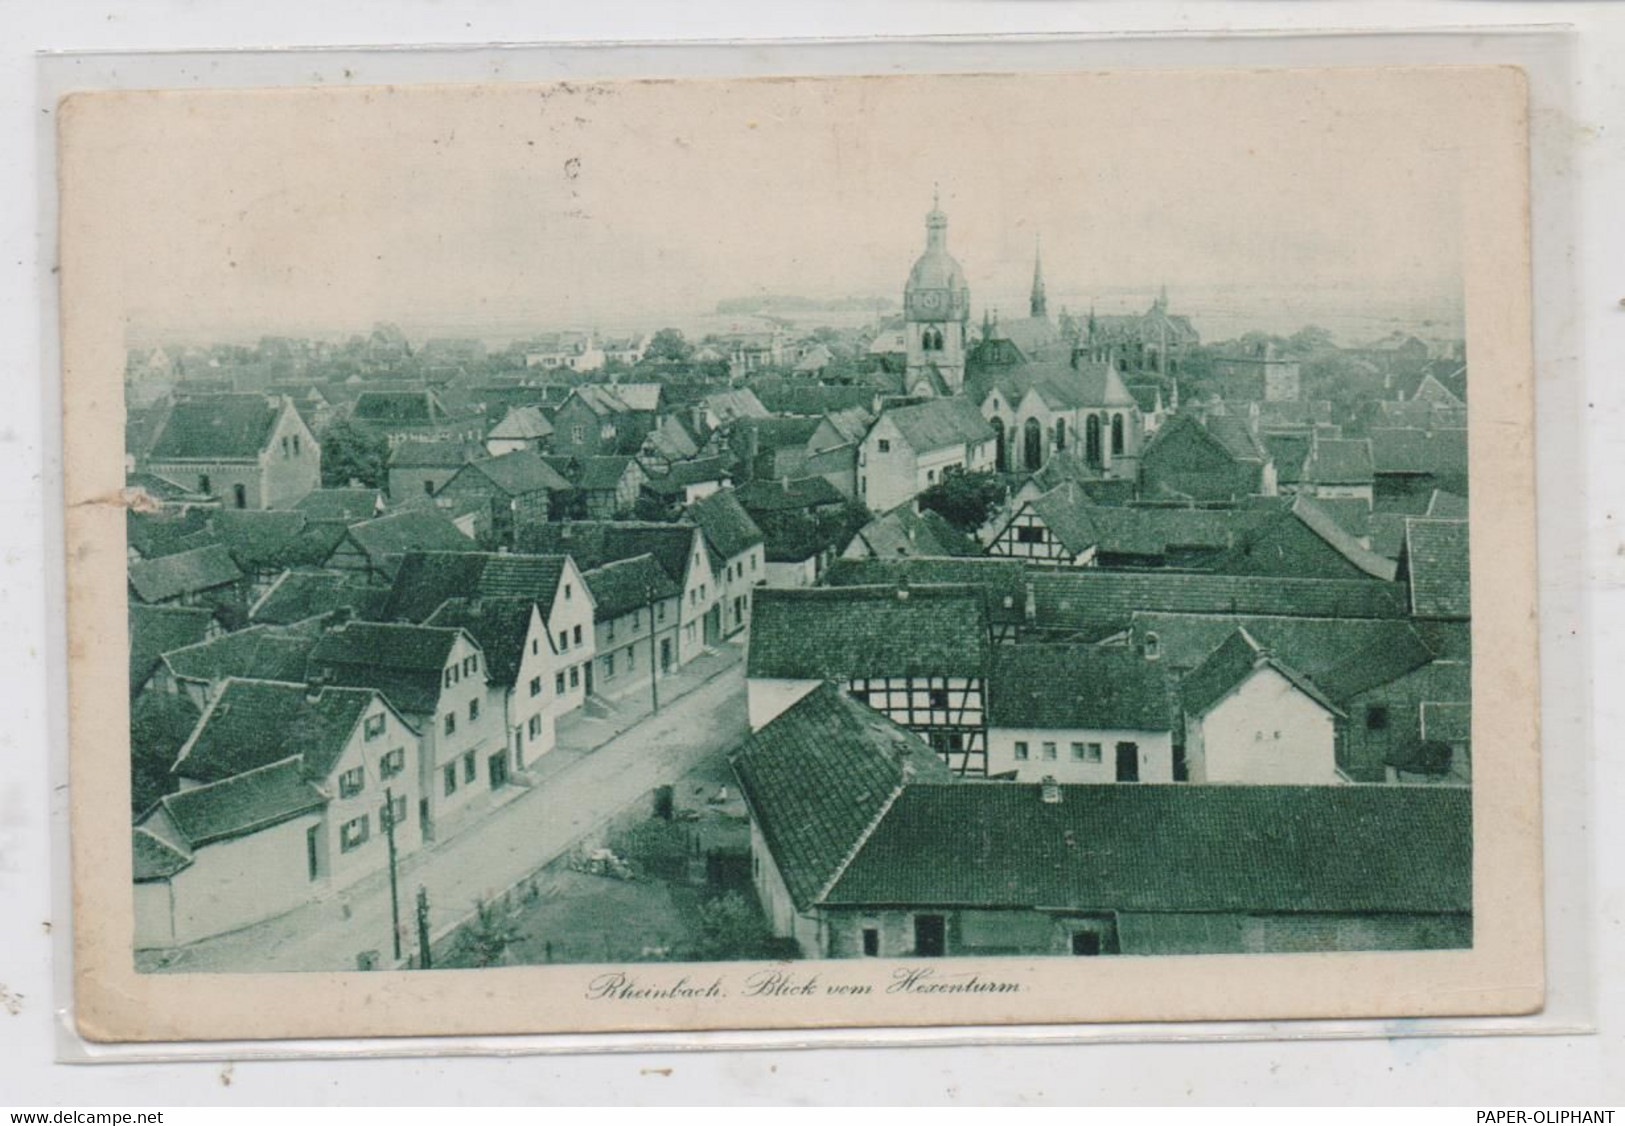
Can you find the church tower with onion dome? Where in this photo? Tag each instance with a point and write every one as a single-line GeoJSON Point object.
{"type": "Point", "coordinates": [936, 311]}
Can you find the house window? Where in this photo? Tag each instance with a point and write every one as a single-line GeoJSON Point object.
{"type": "Point", "coordinates": [930, 476]}
{"type": "Point", "coordinates": [352, 782]}
{"type": "Point", "coordinates": [451, 723]}
{"type": "Point", "coordinates": [871, 942]}
{"type": "Point", "coordinates": [1085, 752]}
{"type": "Point", "coordinates": [1021, 752]}
{"type": "Point", "coordinates": [393, 763]}
{"type": "Point", "coordinates": [575, 637]}
{"type": "Point", "coordinates": [353, 834]}
{"type": "Point", "coordinates": [296, 445]}
{"type": "Point", "coordinates": [284, 445]}
{"type": "Point", "coordinates": [471, 767]}
{"type": "Point", "coordinates": [558, 684]}
{"type": "Point", "coordinates": [451, 677]}
{"type": "Point", "coordinates": [535, 727]}
{"type": "Point", "coordinates": [239, 495]}
{"type": "Point", "coordinates": [578, 433]}
{"type": "Point", "coordinates": [428, 487]}
{"type": "Point", "coordinates": [564, 640]}
{"type": "Point", "coordinates": [1376, 718]}
{"type": "Point", "coordinates": [1029, 533]}
{"type": "Point", "coordinates": [535, 686]}
{"type": "Point", "coordinates": [609, 630]}
{"type": "Point", "coordinates": [203, 485]}
{"type": "Point", "coordinates": [885, 446]}
{"type": "Point", "coordinates": [535, 646]}
{"type": "Point", "coordinates": [938, 699]}
{"type": "Point", "coordinates": [468, 666]}
{"type": "Point", "coordinates": [631, 658]}
{"type": "Point", "coordinates": [1049, 752]}
{"type": "Point", "coordinates": [1153, 647]}
{"type": "Point", "coordinates": [374, 726]}
{"type": "Point", "coordinates": [474, 709]}
{"type": "Point", "coordinates": [637, 621]}
{"type": "Point", "coordinates": [575, 675]}
{"type": "Point", "coordinates": [567, 592]}
{"type": "Point", "coordinates": [450, 777]}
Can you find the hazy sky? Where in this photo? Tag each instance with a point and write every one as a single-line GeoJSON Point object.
{"type": "Point", "coordinates": [1297, 195]}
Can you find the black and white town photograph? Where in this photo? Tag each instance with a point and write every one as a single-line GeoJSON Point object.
{"type": "Point", "coordinates": [786, 523]}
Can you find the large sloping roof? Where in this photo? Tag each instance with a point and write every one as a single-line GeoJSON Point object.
{"type": "Point", "coordinates": [626, 585]}
{"type": "Point", "coordinates": [1339, 461]}
{"type": "Point", "coordinates": [216, 427]}
{"type": "Point", "coordinates": [728, 528]}
{"type": "Point", "coordinates": [343, 504]}
{"type": "Point", "coordinates": [1314, 646]}
{"type": "Point", "coordinates": [403, 662]}
{"type": "Point", "coordinates": [156, 630]}
{"type": "Point", "coordinates": [788, 495]}
{"type": "Point", "coordinates": [1401, 451]}
{"type": "Point", "coordinates": [185, 572]}
{"type": "Point", "coordinates": [1075, 687]}
{"type": "Point", "coordinates": [242, 804]}
{"type": "Point", "coordinates": [518, 473]}
{"type": "Point", "coordinates": [1381, 661]}
{"type": "Point", "coordinates": [939, 423]}
{"type": "Point", "coordinates": [850, 632]}
{"type": "Point", "coordinates": [297, 596]}
{"type": "Point", "coordinates": [592, 543]}
{"type": "Point", "coordinates": [387, 538]}
{"type": "Point", "coordinates": [259, 652]}
{"type": "Point", "coordinates": [426, 579]}
{"type": "Point", "coordinates": [1232, 663]}
{"type": "Point", "coordinates": [1433, 562]}
{"type": "Point", "coordinates": [1334, 849]}
{"type": "Point", "coordinates": [433, 455]}
{"type": "Point", "coordinates": [254, 723]}
{"type": "Point", "coordinates": [521, 423]}
{"type": "Point", "coordinates": [412, 408]}
{"type": "Point", "coordinates": [497, 625]}
{"type": "Point", "coordinates": [819, 776]}
{"type": "Point", "coordinates": [904, 532]}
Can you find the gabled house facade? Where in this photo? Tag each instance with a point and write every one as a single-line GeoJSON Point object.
{"type": "Point", "coordinates": [909, 449]}
{"type": "Point", "coordinates": [250, 451]}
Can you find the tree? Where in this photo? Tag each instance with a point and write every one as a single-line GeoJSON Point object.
{"type": "Point", "coordinates": [353, 453]}
{"type": "Point", "coordinates": [159, 726]}
{"type": "Point", "coordinates": [489, 936]}
{"type": "Point", "coordinates": [965, 500]}
{"type": "Point", "coordinates": [1310, 340]}
{"type": "Point", "coordinates": [731, 929]}
{"type": "Point", "coordinates": [668, 346]}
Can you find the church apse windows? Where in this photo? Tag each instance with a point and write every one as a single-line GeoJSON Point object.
{"type": "Point", "coordinates": [1117, 435]}
{"type": "Point", "coordinates": [1091, 440]}
{"type": "Point", "coordinates": [1033, 440]}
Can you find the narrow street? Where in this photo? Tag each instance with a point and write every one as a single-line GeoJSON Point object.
{"type": "Point", "coordinates": [506, 845]}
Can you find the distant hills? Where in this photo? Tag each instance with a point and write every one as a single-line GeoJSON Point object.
{"type": "Point", "coordinates": [767, 304]}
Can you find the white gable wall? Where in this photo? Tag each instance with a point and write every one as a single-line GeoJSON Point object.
{"type": "Point", "coordinates": [1267, 731]}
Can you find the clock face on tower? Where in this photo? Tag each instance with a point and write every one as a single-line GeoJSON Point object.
{"type": "Point", "coordinates": [930, 301]}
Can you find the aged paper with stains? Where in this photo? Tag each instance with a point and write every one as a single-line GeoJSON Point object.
{"type": "Point", "coordinates": [198, 225]}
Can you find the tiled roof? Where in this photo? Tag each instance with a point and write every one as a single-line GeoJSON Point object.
{"type": "Point", "coordinates": [1400, 451]}
{"type": "Point", "coordinates": [1002, 582]}
{"type": "Point", "coordinates": [681, 474]}
{"type": "Point", "coordinates": [1231, 664]}
{"type": "Point", "coordinates": [156, 630]}
{"type": "Point", "coordinates": [602, 471]}
{"type": "Point", "coordinates": [1233, 849]}
{"type": "Point", "coordinates": [1339, 461]}
{"type": "Point", "coordinates": [498, 626]}
{"type": "Point", "coordinates": [1446, 506]}
{"type": "Point", "coordinates": [346, 505]}
{"type": "Point", "coordinates": [811, 399]}
{"type": "Point", "coordinates": [427, 578]}
{"type": "Point", "coordinates": [186, 572]}
{"type": "Point", "coordinates": [433, 455]}
{"type": "Point", "coordinates": [1234, 434]}
{"type": "Point", "coordinates": [1388, 533]}
{"type": "Point", "coordinates": [216, 427]}
{"type": "Point", "coordinates": [1139, 530]}
{"type": "Point", "coordinates": [731, 404]}
{"type": "Point", "coordinates": [410, 408]}
{"type": "Point", "coordinates": [1380, 662]}
{"type": "Point", "coordinates": [592, 543]}
{"type": "Point", "coordinates": [849, 423]}
{"type": "Point", "coordinates": [387, 538]}
{"type": "Point", "coordinates": [728, 528]}
{"type": "Point", "coordinates": [904, 532]}
{"type": "Point", "coordinates": [243, 804]}
{"type": "Point", "coordinates": [1434, 564]}
{"type": "Point", "coordinates": [269, 539]}
{"type": "Point", "coordinates": [259, 652]}
{"type": "Point", "coordinates": [849, 632]}
{"type": "Point", "coordinates": [787, 495]}
{"type": "Point", "coordinates": [297, 596]}
{"type": "Point", "coordinates": [939, 423]}
{"type": "Point", "coordinates": [1073, 687]}
{"type": "Point", "coordinates": [254, 723]}
{"type": "Point", "coordinates": [626, 585]}
{"type": "Point", "coordinates": [1452, 722]}
{"type": "Point", "coordinates": [639, 396]}
{"type": "Point", "coordinates": [405, 663]}
{"type": "Point", "coordinates": [517, 473]}
{"type": "Point", "coordinates": [1313, 646]}
{"type": "Point", "coordinates": [819, 776]}
{"type": "Point", "coordinates": [155, 858]}
{"type": "Point", "coordinates": [522, 423]}
{"type": "Point", "coordinates": [1352, 514]}
{"type": "Point", "coordinates": [1093, 603]}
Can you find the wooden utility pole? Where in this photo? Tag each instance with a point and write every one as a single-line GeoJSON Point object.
{"type": "Point", "coordinates": [425, 958]}
{"type": "Point", "coordinates": [394, 881]}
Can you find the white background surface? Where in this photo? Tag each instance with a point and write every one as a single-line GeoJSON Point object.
{"type": "Point", "coordinates": [1531, 1070]}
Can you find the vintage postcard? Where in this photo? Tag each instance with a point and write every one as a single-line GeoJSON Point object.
{"type": "Point", "coordinates": [866, 551]}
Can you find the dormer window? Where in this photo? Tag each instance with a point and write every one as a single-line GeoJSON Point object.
{"type": "Point", "coordinates": [1152, 647]}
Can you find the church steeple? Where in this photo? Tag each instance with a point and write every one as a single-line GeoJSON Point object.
{"type": "Point", "coordinates": [1039, 305]}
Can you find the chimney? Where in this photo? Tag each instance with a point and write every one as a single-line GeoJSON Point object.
{"type": "Point", "coordinates": [1049, 790]}
{"type": "Point", "coordinates": [902, 589]}
{"type": "Point", "coordinates": [1030, 608]}
{"type": "Point", "coordinates": [785, 481]}
{"type": "Point", "coordinates": [315, 684]}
